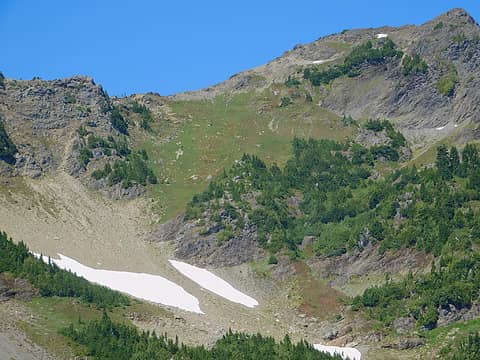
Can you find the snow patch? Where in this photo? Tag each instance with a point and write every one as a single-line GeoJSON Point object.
{"type": "Point", "coordinates": [344, 352]}
{"type": "Point", "coordinates": [149, 287]}
{"type": "Point", "coordinates": [440, 128]}
{"type": "Point", "coordinates": [319, 61]}
{"type": "Point", "coordinates": [382, 36]}
{"type": "Point", "coordinates": [213, 283]}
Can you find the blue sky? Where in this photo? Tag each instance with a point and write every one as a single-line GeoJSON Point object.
{"type": "Point", "coordinates": [171, 46]}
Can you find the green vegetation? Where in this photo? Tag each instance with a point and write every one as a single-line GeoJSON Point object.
{"type": "Point", "coordinates": [118, 121]}
{"type": "Point", "coordinates": [7, 147]}
{"type": "Point", "coordinates": [84, 156]}
{"type": "Point", "coordinates": [432, 209]}
{"type": "Point", "coordinates": [70, 98]}
{"type": "Point", "coordinates": [439, 215]}
{"type": "Point", "coordinates": [438, 26]}
{"type": "Point", "coordinates": [105, 339]}
{"type": "Point", "coordinates": [464, 348]}
{"type": "Point", "coordinates": [446, 84]}
{"type": "Point", "coordinates": [145, 114]}
{"type": "Point", "coordinates": [207, 136]}
{"type": "Point", "coordinates": [285, 101]}
{"type": "Point", "coordinates": [459, 38]}
{"type": "Point", "coordinates": [292, 82]}
{"type": "Point", "coordinates": [129, 171]}
{"type": "Point", "coordinates": [414, 65]}
{"type": "Point", "coordinates": [272, 260]}
{"type": "Point", "coordinates": [455, 283]}
{"type": "Point", "coordinates": [331, 177]}
{"type": "Point", "coordinates": [362, 54]}
{"type": "Point", "coordinates": [50, 280]}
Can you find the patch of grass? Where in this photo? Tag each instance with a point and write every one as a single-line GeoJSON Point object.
{"type": "Point", "coordinates": [437, 336]}
{"type": "Point", "coordinates": [261, 267]}
{"type": "Point", "coordinates": [54, 314]}
{"type": "Point", "coordinates": [215, 133]}
{"type": "Point", "coordinates": [446, 84]}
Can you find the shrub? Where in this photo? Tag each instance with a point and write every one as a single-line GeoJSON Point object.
{"type": "Point", "coordinates": [414, 65]}
{"type": "Point", "coordinates": [446, 84]}
{"type": "Point", "coordinates": [85, 156]}
{"type": "Point", "coordinates": [438, 26]}
{"type": "Point", "coordinates": [285, 101]}
{"type": "Point", "coordinates": [362, 54]}
{"type": "Point", "coordinates": [7, 147]}
{"type": "Point", "coordinates": [272, 260]}
{"type": "Point", "coordinates": [118, 122]}
{"type": "Point", "coordinates": [291, 82]}
{"type": "Point", "coordinates": [70, 98]}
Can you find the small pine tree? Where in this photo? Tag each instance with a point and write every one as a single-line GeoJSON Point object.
{"type": "Point", "coordinates": [443, 162]}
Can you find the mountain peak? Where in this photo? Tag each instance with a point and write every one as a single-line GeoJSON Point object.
{"type": "Point", "coordinates": [457, 14]}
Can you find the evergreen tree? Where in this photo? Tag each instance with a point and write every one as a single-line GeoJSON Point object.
{"type": "Point", "coordinates": [443, 162]}
{"type": "Point", "coordinates": [454, 159]}
{"type": "Point", "coordinates": [7, 147]}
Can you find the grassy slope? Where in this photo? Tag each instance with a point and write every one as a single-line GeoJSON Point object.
{"type": "Point", "coordinates": [54, 314]}
{"type": "Point", "coordinates": [216, 133]}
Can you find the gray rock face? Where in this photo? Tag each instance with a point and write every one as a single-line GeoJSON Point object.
{"type": "Point", "coordinates": [207, 250]}
{"type": "Point", "coordinates": [42, 118]}
{"type": "Point", "coordinates": [15, 288]}
{"type": "Point", "coordinates": [204, 248]}
{"type": "Point", "coordinates": [451, 314]}
{"type": "Point", "coordinates": [410, 343]}
{"type": "Point", "coordinates": [403, 325]}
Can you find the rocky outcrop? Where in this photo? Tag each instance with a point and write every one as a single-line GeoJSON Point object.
{"type": "Point", "coordinates": [42, 118]}
{"type": "Point", "coordinates": [15, 288]}
{"type": "Point", "coordinates": [204, 248]}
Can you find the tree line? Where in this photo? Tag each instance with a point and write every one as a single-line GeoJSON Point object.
{"type": "Point", "coordinates": [105, 339]}
{"type": "Point", "coordinates": [50, 280]}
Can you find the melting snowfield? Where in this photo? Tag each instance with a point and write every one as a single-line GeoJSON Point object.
{"type": "Point", "coordinates": [149, 287]}
{"type": "Point", "coordinates": [213, 283]}
{"type": "Point", "coordinates": [344, 352]}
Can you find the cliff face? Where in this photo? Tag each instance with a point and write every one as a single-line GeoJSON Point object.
{"type": "Point", "coordinates": [43, 117]}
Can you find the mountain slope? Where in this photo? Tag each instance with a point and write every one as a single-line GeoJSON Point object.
{"type": "Point", "coordinates": [413, 102]}
{"type": "Point", "coordinates": [97, 178]}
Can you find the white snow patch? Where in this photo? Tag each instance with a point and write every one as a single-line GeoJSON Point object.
{"type": "Point", "coordinates": [455, 126]}
{"type": "Point", "coordinates": [382, 36]}
{"type": "Point", "coordinates": [440, 128]}
{"type": "Point", "coordinates": [149, 287]}
{"type": "Point", "coordinates": [319, 61]}
{"type": "Point", "coordinates": [213, 283]}
{"type": "Point", "coordinates": [344, 352]}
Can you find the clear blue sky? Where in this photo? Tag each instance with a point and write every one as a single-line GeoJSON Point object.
{"type": "Point", "coordinates": [171, 46]}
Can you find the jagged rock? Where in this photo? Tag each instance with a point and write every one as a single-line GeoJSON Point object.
{"type": "Point", "coordinates": [403, 325]}
{"type": "Point", "coordinates": [331, 335]}
{"type": "Point", "coordinates": [16, 288]}
{"type": "Point", "coordinates": [410, 343]}
{"type": "Point", "coordinates": [117, 191]}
